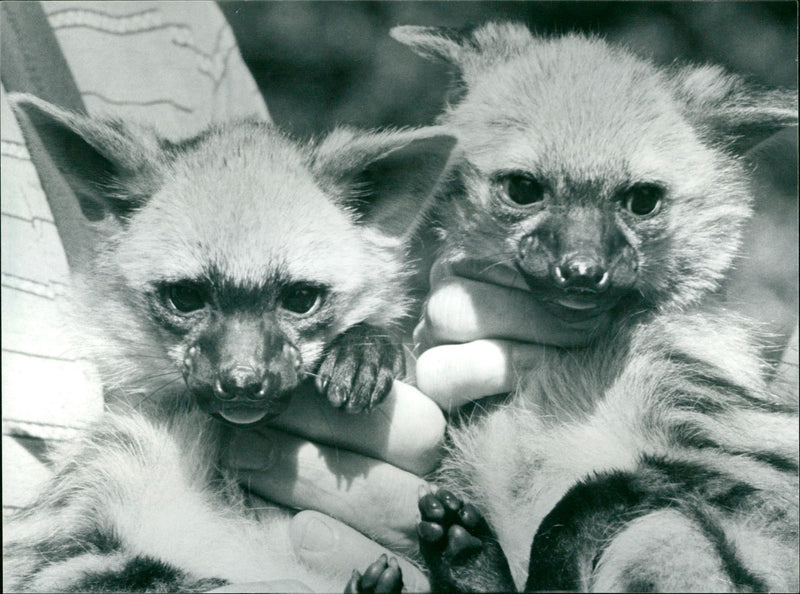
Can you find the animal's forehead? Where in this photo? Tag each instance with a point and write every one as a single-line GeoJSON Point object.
{"type": "Point", "coordinates": [563, 66]}
{"type": "Point", "coordinates": [574, 105]}
{"type": "Point", "coordinates": [247, 215]}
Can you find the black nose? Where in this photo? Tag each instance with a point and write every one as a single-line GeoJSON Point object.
{"type": "Point", "coordinates": [581, 272]}
{"type": "Point", "coordinates": [240, 381]}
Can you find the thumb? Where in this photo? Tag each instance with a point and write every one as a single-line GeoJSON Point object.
{"type": "Point", "coordinates": [327, 544]}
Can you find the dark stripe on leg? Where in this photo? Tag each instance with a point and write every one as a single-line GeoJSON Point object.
{"type": "Point", "coordinates": [715, 533]}
{"type": "Point", "coordinates": [144, 574]}
{"type": "Point", "coordinates": [572, 535]}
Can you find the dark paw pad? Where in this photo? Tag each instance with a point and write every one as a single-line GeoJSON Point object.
{"type": "Point", "coordinates": [382, 577]}
{"type": "Point", "coordinates": [459, 547]}
{"type": "Point", "coordinates": [449, 524]}
{"type": "Point", "coordinates": [460, 542]}
{"type": "Point", "coordinates": [358, 368]}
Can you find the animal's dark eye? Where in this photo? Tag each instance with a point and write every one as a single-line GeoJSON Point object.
{"type": "Point", "coordinates": [302, 298]}
{"type": "Point", "coordinates": [523, 189]}
{"type": "Point", "coordinates": [643, 199]}
{"type": "Point", "coordinates": [186, 297]}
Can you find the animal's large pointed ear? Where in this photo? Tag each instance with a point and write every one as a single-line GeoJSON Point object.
{"type": "Point", "coordinates": [110, 167]}
{"type": "Point", "coordinates": [387, 178]}
{"type": "Point", "coordinates": [471, 48]}
{"type": "Point", "coordinates": [730, 109]}
{"type": "Point", "coordinates": [440, 43]}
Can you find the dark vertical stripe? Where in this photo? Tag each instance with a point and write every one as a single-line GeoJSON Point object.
{"type": "Point", "coordinates": [32, 58]}
{"type": "Point", "coordinates": [33, 63]}
{"type": "Point", "coordinates": [715, 534]}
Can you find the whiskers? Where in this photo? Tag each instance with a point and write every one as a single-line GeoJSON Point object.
{"type": "Point", "coordinates": [307, 373]}
{"type": "Point", "coordinates": [153, 394]}
{"type": "Point", "coordinates": [503, 258]}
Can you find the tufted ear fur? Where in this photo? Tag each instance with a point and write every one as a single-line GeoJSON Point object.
{"type": "Point", "coordinates": [731, 110]}
{"type": "Point", "coordinates": [470, 48]}
{"type": "Point", "coordinates": [110, 167]}
{"type": "Point", "coordinates": [723, 105]}
{"type": "Point", "coordinates": [442, 43]}
{"type": "Point", "coordinates": [388, 179]}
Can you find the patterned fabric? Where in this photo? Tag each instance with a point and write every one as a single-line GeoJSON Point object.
{"type": "Point", "coordinates": [174, 65]}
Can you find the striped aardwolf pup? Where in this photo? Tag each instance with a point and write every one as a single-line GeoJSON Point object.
{"type": "Point", "coordinates": [230, 267]}
{"type": "Point", "coordinates": [656, 458]}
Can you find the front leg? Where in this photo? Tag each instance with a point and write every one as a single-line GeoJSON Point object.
{"type": "Point", "coordinates": [358, 368]}
{"type": "Point", "coordinates": [459, 548]}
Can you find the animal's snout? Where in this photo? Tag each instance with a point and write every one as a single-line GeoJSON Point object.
{"type": "Point", "coordinates": [252, 381]}
{"type": "Point", "coordinates": [242, 368]}
{"type": "Point", "coordinates": [582, 250]}
{"type": "Point", "coordinates": [581, 272]}
{"type": "Point", "coordinates": [241, 382]}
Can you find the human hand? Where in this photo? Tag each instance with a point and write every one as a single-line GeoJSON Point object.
{"type": "Point", "coordinates": [481, 330]}
{"type": "Point", "coordinates": [362, 469]}
{"type": "Point", "coordinates": [322, 542]}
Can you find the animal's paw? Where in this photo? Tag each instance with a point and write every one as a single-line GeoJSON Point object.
{"type": "Point", "coordinates": [382, 577]}
{"type": "Point", "coordinates": [459, 547]}
{"type": "Point", "coordinates": [450, 527]}
{"type": "Point", "coordinates": [358, 368]}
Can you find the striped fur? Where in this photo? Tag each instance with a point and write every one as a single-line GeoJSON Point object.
{"type": "Point", "coordinates": [144, 502]}
{"type": "Point", "coordinates": [656, 458]}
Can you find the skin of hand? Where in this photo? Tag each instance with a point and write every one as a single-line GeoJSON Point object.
{"type": "Point", "coordinates": [321, 541]}
{"type": "Point", "coordinates": [364, 470]}
{"type": "Point", "coordinates": [481, 329]}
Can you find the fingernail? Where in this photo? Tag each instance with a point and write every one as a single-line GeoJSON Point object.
{"type": "Point", "coordinates": [316, 535]}
{"type": "Point", "coordinates": [249, 450]}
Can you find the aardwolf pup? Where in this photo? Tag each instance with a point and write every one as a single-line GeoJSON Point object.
{"type": "Point", "coordinates": [655, 459]}
{"type": "Point", "coordinates": [229, 268]}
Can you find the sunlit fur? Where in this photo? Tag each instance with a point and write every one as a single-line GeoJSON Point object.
{"type": "Point", "coordinates": [248, 205]}
{"type": "Point", "coordinates": [143, 496]}
{"type": "Point", "coordinates": [663, 383]}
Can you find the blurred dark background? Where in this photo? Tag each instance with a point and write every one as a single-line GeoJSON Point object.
{"type": "Point", "coordinates": [320, 64]}
{"type": "Point", "coordinates": [324, 63]}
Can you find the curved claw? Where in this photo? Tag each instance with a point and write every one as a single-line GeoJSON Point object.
{"type": "Point", "coordinates": [383, 576]}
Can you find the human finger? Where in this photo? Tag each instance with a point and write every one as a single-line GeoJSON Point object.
{"type": "Point", "coordinates": [406, 429]}
{"type": "Point", "coordinates": [478, 270]}
{"type": "Point", "coordinates": [455, 374]}
{"type": "Point", "coordinates": [325, 543]}
{"type": "Point", "coordinates": [460, 309]}
{"type": "Point", "coordinates": [374, 497]}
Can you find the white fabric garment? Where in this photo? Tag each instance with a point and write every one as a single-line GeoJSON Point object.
{"type": "Point", "coordinates": [173, 65]}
